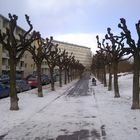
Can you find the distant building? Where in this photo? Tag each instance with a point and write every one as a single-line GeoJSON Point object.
{"type": "Point", "coordinates": [81, 53]}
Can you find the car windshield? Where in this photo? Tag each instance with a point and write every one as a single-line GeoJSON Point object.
{"type": "Point", "coordinates": [19, 82]}
{"type": "Point", "coordinates": [32, 78]}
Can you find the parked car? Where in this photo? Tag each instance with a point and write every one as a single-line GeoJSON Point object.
{"type": "Point", "coordinates": [4, 90]}
{"type": "Point", "coordinates": [22, 85]}
{"type": "Point", "coordinates": [45, 79]}
{"type": "Point", "coordinates": [32, 81]}
{"type": "Point", "coordinates": [4, 78]}
{"type": "Point", "coordinates": [28, 76]}
{"type": "Point", "coordinates": [7, 83]}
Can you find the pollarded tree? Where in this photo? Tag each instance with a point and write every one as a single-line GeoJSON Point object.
{"type": "Point", "coordinates": [39, 50]}
{"type": "Point", "coordinates": [72, 68]}
{"type": "Point", "coordinates": [93, 65]}
{"type": "Point", "coordinates": [61, 65]}
{"type": "Point", "coordinates": [98, 60]}
{"type": "Point", "coordinates": [134, 49]}
{"type": "Point", "coordinates": [104, 63]}
{"type": "Point", "coordinates": [81, 69]}
{"type": "Point", "coordinates": [108, 59]}
{"type": "Point", "coordinates": [16, 46]}
{"type": "Point", "coordinates": [51, 58]}
{"type": "Point", "coordinates": [68, 60]}
{"type": "Point", "coordinates": [69, 67]}
{"type": "Point", "coordinates": [117, 52]}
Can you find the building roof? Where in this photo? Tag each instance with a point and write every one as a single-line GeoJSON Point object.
{"type": "Point", "coordinates": [61, 42]}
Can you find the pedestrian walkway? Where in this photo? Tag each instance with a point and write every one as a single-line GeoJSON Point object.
{"type": "Point", "coordinates": [71, 116]}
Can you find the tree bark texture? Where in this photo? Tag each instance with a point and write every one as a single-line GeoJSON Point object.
{"type": "Point", "coordinates": [60, 77]}
{"type": "Point", "coordinates": [13, 94]}
{"type": "Point", "coordinates": [110, 79]}
{"type": "Point", "coordinates": [52, 79]}
{"type": "Point", "coordinates": [65, 76]}
{"type": "Point", "coordinates": [40, 94]}
{"type": "Point", "coordinates": [116, 87]}
{"type": "Point", "coordinates": [135, 100]}
{"type": "Point", "coordinates": [105, 84]}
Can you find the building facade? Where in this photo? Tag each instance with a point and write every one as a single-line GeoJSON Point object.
{"type": "Point", "coordinates": [4, 55]}
{"type": "Point", "coordinates": [26, 64]}
{"type": "Point", "coordinates": [81, 53]}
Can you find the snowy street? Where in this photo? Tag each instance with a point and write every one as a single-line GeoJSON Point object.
{"type": "Point", "coordinates": [77, 111]}
{"type": "Point", "coordinates": [71, 116]}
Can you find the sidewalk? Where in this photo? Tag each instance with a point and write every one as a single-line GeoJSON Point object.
{"type": "Point", "coordinates": [67, 118]}
{"type": "Point", "coordinates": [29, 104]}
{"type": "Point", "coordinates": [120, 122]}
{"type": "Point", "coordinates": [57, 116]}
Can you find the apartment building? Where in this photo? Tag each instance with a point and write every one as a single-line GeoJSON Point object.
{"type": "Point", "coordinates": [4, 57]}
{"type": "Point", "coordinates": [81, 53]}
{"type": "Point", "coordinates": [27, 65]}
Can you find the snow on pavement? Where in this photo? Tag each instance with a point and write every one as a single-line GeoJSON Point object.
{"type": "Point", "coordinates": [46, 118]}
{"type": "Point", "coordinates": [121, 123]}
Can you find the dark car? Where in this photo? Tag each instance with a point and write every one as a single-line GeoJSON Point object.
{"type": "Point", "coordinates": [7, 83]}
{"type": "Point", "coordinates": [4, 78]}
{"type": "Point", "coordinates": [45, 79]}
{"type": "Point", "coordinates": [4, 90]}
{"type": "Point", "coordinates": [22, 85]}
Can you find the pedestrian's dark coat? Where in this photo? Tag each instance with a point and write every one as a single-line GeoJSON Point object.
{"type": "Point", "coordinates": [93, 81]}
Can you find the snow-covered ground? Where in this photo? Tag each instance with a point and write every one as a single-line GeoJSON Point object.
{"type": "Point", "coordinates": [121, 122]}
{"type": "Point", "coordinates": [57, 114]}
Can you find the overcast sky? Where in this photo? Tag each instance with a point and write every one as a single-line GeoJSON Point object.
{"type": "Point", "coordinates": [73, 21]}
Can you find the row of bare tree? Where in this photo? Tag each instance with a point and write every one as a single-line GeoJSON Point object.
{"type": "Point", "coordinates": [112, 50]}
{"type": "Point", "coordinates": [40, 49]}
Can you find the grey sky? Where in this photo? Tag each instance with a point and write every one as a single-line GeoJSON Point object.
{"type": "Point", "coordinates": [76, 21]}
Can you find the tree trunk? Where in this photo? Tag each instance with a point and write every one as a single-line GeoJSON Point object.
{"type": "Point", "coordinates": [135, 100]}
{"type": "Point", "coordinates": [13, 94]}
{"type": "Point", "coordinates": [110, 78]}
{"type": "Point", "coordinates": [68, 75]}
{"type": "Point", "coordinates": [105, 84]}
{"type": "Point", "coordinates": [40, 94]}
{"type": "Point", "coordinates": [98, 73]}
{"type": "Point", "coordinates": [65, 76]}
{"type": "Point", "coordinates": [116, 87]}
{"type": "Point", "coordinates": [101, 76]}
{"type": "Point", "coordinates": [52, 79]}
{"type": "Point", "coordinates": [60, 76]}
{"type": "Point", "coordinates": [71, 73]}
